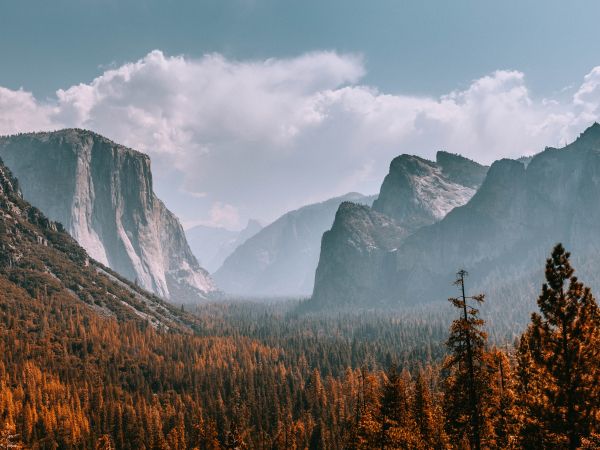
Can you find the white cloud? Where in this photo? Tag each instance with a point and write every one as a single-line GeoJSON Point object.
{"type": "Point", "coordinates": [257, 138]}
{"type": "Point", "coordinates": [588, 95]}
{"type": "Point", "coordinates": [20, 112]}
{"type": "Point", "coordinates": [220, 215]}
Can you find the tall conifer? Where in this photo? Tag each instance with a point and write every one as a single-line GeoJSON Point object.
{"type": "Point", "coordinates": [561, 389]}
{"type": "Point", "coordinates": [467, 386]}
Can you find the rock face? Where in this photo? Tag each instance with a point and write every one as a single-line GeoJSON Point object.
{"type": "Point", "coordinates": [102, 193]}
{"type": "Point", "coordinates": [280, 260]}
{"type": "Point", "coordinates": [502, 236]}
{"type": "Point", "coordinates": [417, 192]}
{"type": "Point", "coordinates": [37, 255]}
{"type": "Point", "coordinates": [357, 261]}
{"type": "Point", "coordinates": [212, 245]}
{"type": "Point", "coordinates": [362, 242]}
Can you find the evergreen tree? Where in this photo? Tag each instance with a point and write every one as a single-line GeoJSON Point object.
{"type": "Point", "coordinates": [369, 426]}
{"type": "Point", "coordinates": [423, 411]}
{"type": "Point", "coordinates": [467, 386]}
{"type": "Point", "coordinates": [559, 361]}
{"type": "Point", "coordinates": [394, 409]}
{"type": "Point", "coordinates": [502, 405]}
{"type": "Point", "coordinates": [206, 436]}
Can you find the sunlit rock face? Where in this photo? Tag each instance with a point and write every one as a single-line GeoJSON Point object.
{"type": "Point", "coordinates": [102, 193]}
{"type": "Point", "coordinates": [418, 192]}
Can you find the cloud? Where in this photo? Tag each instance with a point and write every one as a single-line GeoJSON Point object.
{"type": "Point", "coordinates": [224, 215]}
{"type": "Point", "coordinates": [236, 139]}
{"type": "Point", "coordinates": [219, 215]}
{"type": "Point", "coordinates": [588, 95]}
{"type": "Point", "coordinates": [20, 112]}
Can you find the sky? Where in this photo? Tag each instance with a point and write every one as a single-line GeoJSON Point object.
{"type": "Point", "coordinates": [251, 108]}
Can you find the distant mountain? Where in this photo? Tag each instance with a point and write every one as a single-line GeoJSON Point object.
{"type": "Point", "coordinates": [357, 259]}
{"type": "Point", "coordinates": [280, 260]}
{"type": "Point", "coordinates": [102, 193]}
{"type": "Point", "coordinates": [501, 236]}
{"type": "Point", "coordinates": [39, 257]}
{"type": "Point", "coordinates": [212, 245]}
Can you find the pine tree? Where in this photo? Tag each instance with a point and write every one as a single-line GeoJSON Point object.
{"type": "Point", "coordinates": [392, 406]}
{"type": "Point", "coordinates": [397, 424]}
{"type": "Point", "coordinates": [206, 436]}
{"type": "Point", "coordinates": [560, 391]}
{"type": "Point", "coordinates": [502, 405]}
{"type": "Point", "coordinates": [467, 386]}
{"type": "Point", "coordinates": [423, 411]}
{"type": "Point", "coordinates": [369, 427]}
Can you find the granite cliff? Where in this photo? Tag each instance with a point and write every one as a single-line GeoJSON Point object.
{"type": "Point", "coordinates": [102, 194]}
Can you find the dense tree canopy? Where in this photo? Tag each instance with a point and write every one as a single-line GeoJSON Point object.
{"type": "Point", "coordinates": [265, 377]}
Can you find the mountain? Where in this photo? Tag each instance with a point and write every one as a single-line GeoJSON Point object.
{"type": "Point", "coordinates": [212, 245]}
{"type": "Point", "coordinates": [358, 248]}
{"type": "Point", "coordinates": [280, 260]}
{"type": "Point", "coordinates": [417, 192]}
{"type": "Point", "coordinates": [511, 224]}
{"type": "Point", "coordinates": [102, 193]}
{"type": "Point", "coordinates": [501, 236]}
{"type": "Point", "coordinates": [357, 259]}
{"type": "Point", "coordinates": [42, 260]}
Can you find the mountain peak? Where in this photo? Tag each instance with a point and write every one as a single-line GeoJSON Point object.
{"type": "Point", "coordinates": [594, 129]}
{"type": "Point", "coordinates": [591, 136]}
{"type": "Point", "coordinates": [419, 192]}
{"type": "Point", "coordinates": [410, 164]}
{"type": "Point", "coordinates": [460, 169]}
{"type": "Point", "coordinates": [253, 224]}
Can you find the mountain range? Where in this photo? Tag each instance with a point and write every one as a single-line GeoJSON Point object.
{"type": "Point", "coordinates": [402, 254]}
{"type": "Point", "coordinates": [397, 249]}
{"type": "Point", "coordinates": [102, 194]}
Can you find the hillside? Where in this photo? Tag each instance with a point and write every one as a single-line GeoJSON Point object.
{"type": "Point", "coordinates": [39, 257]}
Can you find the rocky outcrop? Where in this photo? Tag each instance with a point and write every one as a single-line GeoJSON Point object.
{"type": "Point", "coordinates": [360, 249]}
{"type": "Point", "coordinates": [102, 193]}
{"type": "Point", "coordinates": [417, 192]}
{"type": "Point", "coordinates": [280, 260]}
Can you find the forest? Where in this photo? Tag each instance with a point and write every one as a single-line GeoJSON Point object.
{"type": "Point", "coordinates": [270, 376]}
